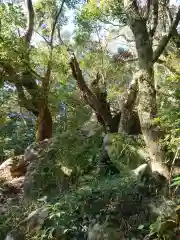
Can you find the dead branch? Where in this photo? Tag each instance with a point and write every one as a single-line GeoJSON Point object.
{"type": "Point", "coordinates": [100, 106]}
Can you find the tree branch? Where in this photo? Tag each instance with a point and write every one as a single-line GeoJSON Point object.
{"type": "Point", "coordinates": [23, 101]}
{"type": "Point", "coordinates": [12, 73]}
{"type": "Point", "coordinates": [176, 36]}
{"type": "Point", "coordinates": [123, 36]}
{"type": "Point", "coordinates": [169, 15]}
{"type": "Point", "coordinates": [110, 23]}
{"type": "Point", "coordinates": [164, 41]}
{"type": "Point", "coordinates": [146, 16]}
{"type": "Point", "coordinates": [12, 77]}
{"type": "Point", "coordinates": [45, 82]}
{"type": "Point", "coordinates": [59, 36]}
{"type": "Point", "coordinates": [154, 18]}
{"type": "Point", "coordinates": [132, 92]}
{"type": "Point", "coordinates": [55, 22]}
{"type": "Point", "coordinates": [77, 74]}
{"type": "Point", "coordinates": [132, 8]}
{"type": "Point", "coordinates": [42, 37]}
{"type": "Point", "coordinates": [32, 71]}
{"type": "Point", "coordinates": [102, 56]}
{"type": "Point", "coordinates": [30, 27]}
{"type": "Point", "coordinates": [24, 80]}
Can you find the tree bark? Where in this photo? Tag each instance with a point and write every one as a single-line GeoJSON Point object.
{"type": "Point", "coordinates": [30, 27]}
{"type": "Point", "coordinates": [129, 122]}
{"type": "Point", "coordinates": [40, 109]}
{"type": "Point", "coordinates": [44, 124]}
{"type": "Point", "coordinates": [147, 112]}
{"type": "Point", "coordinates": [37, 104]}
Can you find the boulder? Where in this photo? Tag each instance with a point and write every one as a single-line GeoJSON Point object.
{"type": "Point", "coordinates": [14, 186]}
{"type": "Point", "coordinates": [12, 173]}
{"type": "Point", "coordinates": [43, 163]}
{"type": "Point", "coordinates": [95, 232]}
{"type": "Point", "coordinates": [34, 156]}
{"type": "Point", "coordinates": [33, 151]}
{"type": "Point", "coordinates": [103, 232]}
{"type": "Point", "coordinates": [12, 167]}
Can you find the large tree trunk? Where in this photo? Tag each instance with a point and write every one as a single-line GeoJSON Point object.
{"type": "Point", "coordinates": [36, 105]}
{"type": "Point", "coordinates": [147, 96]}
{"type": "Point", "coordinates": [44, 124]}
{"type": "Point", "coordinates": [147, 112]}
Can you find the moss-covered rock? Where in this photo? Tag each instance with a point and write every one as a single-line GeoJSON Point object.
{"type": "Point", "coordinates": [124, 150]}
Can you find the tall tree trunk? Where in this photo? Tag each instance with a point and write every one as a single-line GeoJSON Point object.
{"type": "Point", "coordinates": [138, 18]}
{"type": "Point", "coordinates": [147, 96]}
{"type": "Point", "coordinates": [147, 112]}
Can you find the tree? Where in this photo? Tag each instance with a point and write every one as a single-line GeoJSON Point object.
{"type": "Point", "coordinates": [32, 87]}
{"type": "Point", "coordinates": [138, 21]}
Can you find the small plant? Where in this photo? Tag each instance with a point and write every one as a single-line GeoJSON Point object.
{"type": "Point", "coordinates": [167, 224]}
{"type": "Point", "coordinates": [164, 228]}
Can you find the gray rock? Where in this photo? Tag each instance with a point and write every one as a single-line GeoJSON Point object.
{"type": "Point", "coordinates": [95, 232]}
{"type": "Point", "coordinates": [36, 219]}
{"type": "Point", "coordinates": [14, 235]}
{"type": "Point", "coordinates": [33, 151]}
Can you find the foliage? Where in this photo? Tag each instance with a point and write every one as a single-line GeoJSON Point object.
{"type": "Point", "coordinates": [125, 151]}
{"type": "Point", "coordinates": [14, 122]}
{"type": "Point", "coordinates": [71, 214]}
{"type": "Point", "coordinates": [14, 213]}
{"type": "Point", "coordinates": [12, 140]}
{"type": "Point", "coordinates": [67, 158]}
{"type": "Point", "coordinates": [11, 46]}
{"type": "Point", "coordinates": [176, 181]}
{"type": "Point", "coordinates": [168, 115]}
{"type": "Point", "coordinates": [166, 225]}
